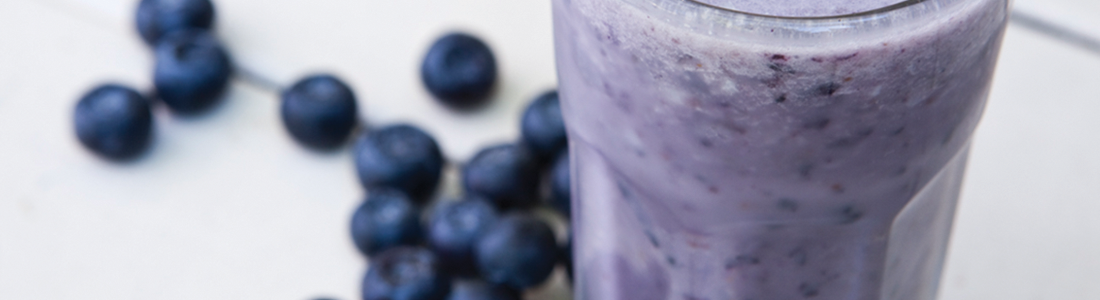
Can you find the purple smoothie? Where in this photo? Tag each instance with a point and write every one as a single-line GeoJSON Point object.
{"type": "Point", "coordinates": [718, 155]}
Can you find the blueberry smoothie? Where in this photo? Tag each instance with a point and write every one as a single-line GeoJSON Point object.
{"type": "Point", "coordinates": [772, 153]}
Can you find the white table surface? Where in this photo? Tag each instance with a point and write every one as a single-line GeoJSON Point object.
{"type": "Point", "coordinates": [226, 206]}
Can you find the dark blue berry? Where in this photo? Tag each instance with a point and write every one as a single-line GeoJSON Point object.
{"type": "Point", "coordinates": [157, 18]}
{"type": "Point", "coordinates": [542, 127]}
{"type": "Point", "coordinates": [402, 157]}
{"type": "Point", "coordinates": [113, 121]}
{"type": "Point", "coordinates": [480, 290]}
{"type": "Point", "coordinates": [192, 71]}
{"type": "Point", "coordinates": [507, 175]}
{"type": "Point", "coordinates": [405, 273]}
{"type": "Point", "coordinates": [319, 111]}
{"type": "Point", "coordinates": [454, 228]}
{"type": "Point", "coordinates": [560, 197]}
{"type": "Point", "coordinates": [459, 70]}
{"type": "Point", "coordinates": [518, 251]}
{"type": "Point", "coordinates": [385, 220]}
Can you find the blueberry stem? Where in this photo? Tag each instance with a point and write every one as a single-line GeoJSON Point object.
{"type": "Point", "coordinates": [251, 77]}
{"type": "Point", "coordinates": [256, 79]}
{"type": "Point", "coordinates": [1058, 30]}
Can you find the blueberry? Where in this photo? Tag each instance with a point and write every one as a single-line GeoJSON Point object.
{"type": "Point", "coordinates": [319, 111]}
{"type": "Point", "coordinates": [113, 121]}
{"type": "Point", "coordinates": [542, 127]}
{"type": "Point", "coordinates": [385, 220]}
{"type": "Point", "coordinates": [400, 156]}
{"type": "Point", "coordinates": [454, 228]}
{"type": "Point", "coordinates": [560, 197]}
{"type": "Point", "coordinates": [156, 18]}
{"type": "Point", "coordinates": [192, 70]}
{"type": "Point", "coordinates": [507, 175]}
{"type": "Point", "coordinates": [405, 273]}
{"type": "Point", "coordinates": [518, 251]}
{"type": "Point", "coordinates": [459, 70]}
{"type": "Point", "coordinates": [480, 290]}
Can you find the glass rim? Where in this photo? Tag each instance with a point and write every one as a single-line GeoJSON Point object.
{"type": "Point", "coordinates": [873, 12]}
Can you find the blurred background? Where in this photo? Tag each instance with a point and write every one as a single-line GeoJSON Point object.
{"type": "Point", "coordinates": [228, 206]}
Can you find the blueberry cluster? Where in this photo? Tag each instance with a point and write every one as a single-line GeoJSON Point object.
{"type": "Point", "coordinates": [191, 72]}
{"type": "Point", "coordinates": [490, 245]}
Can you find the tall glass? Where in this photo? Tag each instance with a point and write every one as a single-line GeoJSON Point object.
{"type": "Point", "coordinates": [727, 155]}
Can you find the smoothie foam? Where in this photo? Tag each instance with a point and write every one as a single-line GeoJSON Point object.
{"type": "Point", "coordinates": [723, 156]}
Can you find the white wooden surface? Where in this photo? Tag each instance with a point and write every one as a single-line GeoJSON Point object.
{"type": "Point", "coordinates": [226, 206]}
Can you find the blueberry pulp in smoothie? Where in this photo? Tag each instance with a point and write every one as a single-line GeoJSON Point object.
{"type": "Point", "coordinates": [717, 156]}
